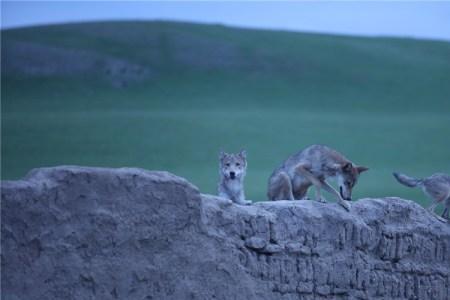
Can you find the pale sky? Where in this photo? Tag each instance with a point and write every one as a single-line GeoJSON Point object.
{"type": "Point", "coordinates": [402, 18]}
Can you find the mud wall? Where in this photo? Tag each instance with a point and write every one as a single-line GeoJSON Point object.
{"type": "Point", "coordinates": [92, 233]}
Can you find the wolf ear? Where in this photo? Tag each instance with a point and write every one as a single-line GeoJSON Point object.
{"type": "Point", "coordinates": [243, 154]}
{"type": "Point", "coordinates": [222, 154]}
{"type": "Point", "coordinates": [361, 169]}
{"type": "Point", "coordinates": [347, 167]}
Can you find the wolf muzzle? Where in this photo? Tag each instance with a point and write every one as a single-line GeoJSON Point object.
{"type": "Point", "coordinates": [342, 195]}
{"type": "Point", "coordinates": [232, 175]}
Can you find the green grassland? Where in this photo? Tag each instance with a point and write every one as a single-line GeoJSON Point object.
{"type": "Point", "coordinates": [383, 102]}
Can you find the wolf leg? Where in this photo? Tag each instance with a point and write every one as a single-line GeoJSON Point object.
{"type": "Point", "coordinates": [240, 199]}
{"type": "Point", "coordinates": [445, 213]}
{"type": "Point", "coordinates": [222, 194]}
{"type": "Point", "coordinates": [326, 186]}
{"type": "Point", "coordinates": [280, 187]}
{"type": "Point", "coordinates": [319, 196]}
{"type": "Point", "coordinates": [431, 208]}
{"type": "Point", "coordinates": [300, 190]}
{"type": "Point", "coordinates": [225, 196]}
{"type": "Point", "coordinates": [302, 169]}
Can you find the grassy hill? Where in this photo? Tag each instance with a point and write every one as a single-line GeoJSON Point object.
{"type": "Point", "coordinates": [169, 96]}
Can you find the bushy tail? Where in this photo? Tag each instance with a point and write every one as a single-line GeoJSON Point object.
{"type": "Point", "coordinates": [406, 180]}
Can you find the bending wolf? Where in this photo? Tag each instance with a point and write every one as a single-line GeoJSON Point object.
{"type": "Point", "coordinates": [312, 166]}
{"type": "Point", "coordinates": [232, 169]}
{"type": "Point", "coordinates": [437, 187]}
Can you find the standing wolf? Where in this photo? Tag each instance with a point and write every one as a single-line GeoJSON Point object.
{"type": "Point", "coordinates": [232, 169]}
{"type": "Point", "coordinates": [437, 187]}
{"type": "Point", "coordinates": [312, 166]}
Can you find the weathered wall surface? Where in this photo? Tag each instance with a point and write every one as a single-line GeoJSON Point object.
{"type": "Point", "coordinates": [90, 233]}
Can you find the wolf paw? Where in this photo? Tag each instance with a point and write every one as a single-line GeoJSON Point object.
{"type": "Point", "coordinates": [244, 202]}
{"type": "Point", "coordinates": [444, 220]}
{"type": "Point", "coordinates": [322, 200]}
{"type": "Point", "coordinates": [345, 204]}
{"type": "Point", "coordinates": [224, 202]}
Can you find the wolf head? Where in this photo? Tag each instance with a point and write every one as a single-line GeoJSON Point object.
{"type": "Point", "coordinates": [233, 166]}
{"type": "Point", "coordinates": [347, 179]}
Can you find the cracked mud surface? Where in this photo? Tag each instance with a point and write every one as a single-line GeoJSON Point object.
{"type": "Point", "coordinates": [94, 233]}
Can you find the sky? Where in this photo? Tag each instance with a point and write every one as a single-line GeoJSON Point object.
{"type": "Point", "coordinates": [425, 19]}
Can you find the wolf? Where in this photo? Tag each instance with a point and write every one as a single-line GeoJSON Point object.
{"type": "Point", "coordinates": [232, 169]}
{"type": "Point", "coordinates": [312, 166]}
{"type": "Point", "coordinates": [436, 186]}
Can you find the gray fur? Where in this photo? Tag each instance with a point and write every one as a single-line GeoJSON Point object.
{"type": "Point", "coordinates": [232, 171]}
{"type": "Point", "coordinates": [406, 180]}
{"type": "Point", "coordinates": [436, 187]}
{"type": "Point", "coordinates": [312, 166]}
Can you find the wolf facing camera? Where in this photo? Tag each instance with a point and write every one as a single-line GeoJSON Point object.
{"type": "Point", "coordinates": [232, 169]}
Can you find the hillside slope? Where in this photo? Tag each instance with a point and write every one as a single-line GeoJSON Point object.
{"type": "Point", "coordinates": [164, 95]}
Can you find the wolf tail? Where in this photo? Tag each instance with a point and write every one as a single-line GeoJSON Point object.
{"type": "Point", "coordinates": [406, 180]}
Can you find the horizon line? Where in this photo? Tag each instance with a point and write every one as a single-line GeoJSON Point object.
{"type": "Point", "coordinates": [249, 27]}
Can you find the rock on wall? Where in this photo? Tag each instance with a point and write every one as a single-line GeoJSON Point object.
{"type": "Point", "coordinates": [91, 233]}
